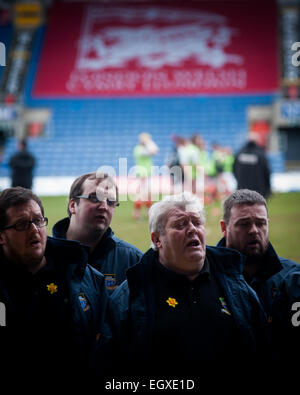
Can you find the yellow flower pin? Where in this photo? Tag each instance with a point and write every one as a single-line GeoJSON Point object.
{"type": "Point", "coordinates": [172, 302]}
{"type": "Point", "coordinates": [52, 288]}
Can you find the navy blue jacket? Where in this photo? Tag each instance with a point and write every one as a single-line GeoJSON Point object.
{"type": "Point", "coordinates": [251, 169]}
{"type": "Point", "coordinates": [274, 274]}
{"type": "Point", "coordinates": [86, 296]}
{"type": "Point", "coordinates": [80, 279]}
{"type": "Point", "coordinates": [22, 164]}
{"type": "Point", "coordinates": [285, 324]}
{"type": "Point", "coordinates": [131, 314]}
{"type": "Point", "coordinates": [112, 256]}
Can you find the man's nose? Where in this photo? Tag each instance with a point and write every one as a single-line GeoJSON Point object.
{"type": "Point", "coordinates": [191, 228]}
{"type": "Point", "coordinates": [253, 228]}
{"type": "Point", "coordinates": [33, 227]}
{"type": "Point", "coordinates": [102, 203]}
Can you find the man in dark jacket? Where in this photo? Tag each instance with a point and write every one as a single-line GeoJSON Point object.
{"type": "Point", "coordinates": [245, 228]}
{"type": "Point", "coordinates": [185, 306]}
{"type": "Point", "coordinates": [54, 301]}
{"type": "Point", "coordinates": [92, 201]}
{"type": "Point", "coordinates": [251, 168]}
{"type": "Point", "coordinates": [22, 164]}
{"type": "Point", "coordinates": [276, 280]}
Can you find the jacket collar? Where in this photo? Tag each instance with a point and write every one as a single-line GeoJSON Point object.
{"type": "Point", "coordinates": [71, 254]}
{"type": "Point", "coordinates": [138, 276]}
{"type": "Point", "coordinates": [222, 242]}
{"type": "Point", "coordinates": [222, 259]}
{"type": "Point", "coordinates": [106, 243]}
{"type": "Point", "coordinates": [67, 255]}
{"type": "Point", "coordinates": [271, 266]}
{"type": "Point", "coordinates": [174, 277]}
{"type": "Point", "coordinates": [60, 230]}
{"type": "Point", "coordinates": [225, 260]}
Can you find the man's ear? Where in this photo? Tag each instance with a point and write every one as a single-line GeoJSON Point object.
{"type": "Point", "coordinates": [72, 208]}
{"type": "Point", "coordinates": [223, 227]}
{"type": "Point", "coordinates": [155, 237]}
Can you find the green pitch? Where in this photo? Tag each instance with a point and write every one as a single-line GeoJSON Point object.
{"type": "Point", "coordinates": [284, 213]}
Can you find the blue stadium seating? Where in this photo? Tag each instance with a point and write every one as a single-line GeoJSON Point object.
{"type": "Point", "coordinates": [84, 134]}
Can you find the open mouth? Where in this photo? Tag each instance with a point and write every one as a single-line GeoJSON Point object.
{"type": "Point", "coordinates": [193, 243]}
{"type": "Point", "coordinates": [35, 242]}
{"type": "Point", "coordinates": [101, 217]}
{"type": "Point", "coordinates": [253, 242]}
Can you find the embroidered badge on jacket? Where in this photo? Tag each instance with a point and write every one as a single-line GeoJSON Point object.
{"type": "Point", "coordinates": [224, 306]}
{"type": "Point", "coordinates": [110, 281]}
{"type": "Point", "coordinates": [83, 302]}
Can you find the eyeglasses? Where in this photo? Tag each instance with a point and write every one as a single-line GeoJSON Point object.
{"type": "Point", "coordinates": [92, 197]}
{"type": "Point", "coordinates": [25, 225]}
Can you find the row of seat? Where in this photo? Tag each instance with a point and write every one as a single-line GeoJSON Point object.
{"type": "Point", "coordinates": [86, 133]}
{"type": "Point", "coordinates": [53, 157]}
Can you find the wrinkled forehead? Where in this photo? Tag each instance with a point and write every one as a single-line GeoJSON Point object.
{"type": "Point", "coordinates": [99, 186]}
{"type": "Point", "coordinates": [189, 210]}
{"type": "Point", "coordinates": [240, 211]}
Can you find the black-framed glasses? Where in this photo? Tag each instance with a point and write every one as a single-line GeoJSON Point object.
{"type": "Point", "coordinates": [21, 226]}
{"type": "Point", "coordinates": [92, 197]}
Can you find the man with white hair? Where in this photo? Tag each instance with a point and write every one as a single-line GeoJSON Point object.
{"type": "Point", "coordinates": [184, 304]}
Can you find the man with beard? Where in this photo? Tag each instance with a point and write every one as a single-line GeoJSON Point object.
{"type": "Point", "coordinates": [54, 301]}
{"type": "Point", "coordinates": [245, 228]}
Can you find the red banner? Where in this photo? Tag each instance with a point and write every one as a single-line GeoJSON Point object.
{"type": "Point", "coordinates": [149, 49]}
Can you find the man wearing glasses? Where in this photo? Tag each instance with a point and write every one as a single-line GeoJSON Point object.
{"type": "Point", "coordinates": [92, 201]}
{"type": "Point", "coordinates": [54, 301]}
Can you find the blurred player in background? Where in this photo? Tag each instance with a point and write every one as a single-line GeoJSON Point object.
{"type": "Point", "coordinates": [143, 153]}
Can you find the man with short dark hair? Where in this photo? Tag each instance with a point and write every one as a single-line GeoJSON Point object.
{"type": "Point", "coordinates": [276, 280]}
{"type": "Point", "coordinates": [92, 201]}
{"type": "Point", "coordinates": [184, 306]}
{"type": "Point", "coordinates": [54, 301]}
{"type": "Point", "coordinates": [245, 228]}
